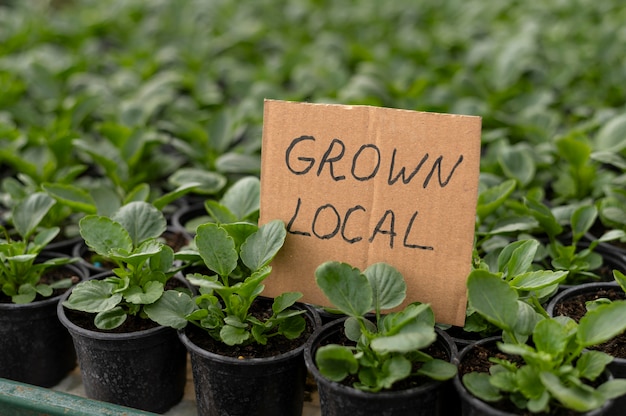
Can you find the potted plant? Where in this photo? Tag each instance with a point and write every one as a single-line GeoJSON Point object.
{"type": "Point", "coordinates": [246, 350]}
{"type": "Point", "coordinates": [546, 372]}
{"type": "Point", "coordinates": [36, 349]}
{"type": "Point", "coordinates": [576, 301]}
{"type": "Point", "coordinates": [514, 265]}
{"type": "Point", "coordinates": [370, 363]}
{"type": "Point", "coordinates": [125, 358]}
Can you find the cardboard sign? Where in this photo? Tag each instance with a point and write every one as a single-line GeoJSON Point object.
{"type": "Point", "coordinates": [362, 185]}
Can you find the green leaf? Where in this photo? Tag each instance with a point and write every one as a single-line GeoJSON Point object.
{"type": "Point", "coordinates": [551, 337]}
{"type": "Point", "coordinates": [592, 363]}
{"type": "Point", "coordinates": [573, 397]}
{"type": "Point", "coordinates": [388, 286]}
{"type": "Point", "coordinates": [146, 295]}
{"type": "Point", "coordinates": [492, 198]}
{"type": "Point", "coordinates": [582, 220]}
{"type": "Point", "coordinates": [517, 257]}
{"type": "Point", "coordinates": [346, 288]}
{"type": "Point", "coordinates": [284, 301]}
{"type": "Point", "coordinates": [74, 197]}
{"type": "Point", "coordinates": [93, 296]}
{"type": "Point", "coordinates": [142, 221]}
{"type": "Point", "coordinates": [209, 182]}
{"type": "Point", "coordinates": [602, 324]}
{"type": "Point", "coordinates": [260, 248]}
{"type": "Point", "coordinates": [612, 389]}
{"type": "Point", "coordinates": [171, 309]}
{"type": "Point", "coordinates": [216, 248]}
{"type": "Point", "coordinates": [404, 342]}
{"type": "Point", "coordinates": [103, 235]}
{"type": "Point", "coordinates": [335, 362]}
{"type": "Point", "coordinates": [29, 212]}
{"type": "Point", "coordinates": [620, 278]}
{"type": "Point", "coordinates": [111, 318]}
{"type": "Point", "coordinates": [243, 197]}
{"type": "Point", "coordinates": [538, 279]}
{"type": "Point", "coordinates": [438, 369]}
{"type": "Point", "coordinates": [220, 213]}
{"type": "Point", "coordinates": [493, 298]}
{"type": "Point", "coordinates": [612, 136]}
{"type": "Point", "coordinates": [480, 386]}
{"type": "Point", "coordinates": [518, 163]}
{"type": "Point", "coordinates": [232, 335]}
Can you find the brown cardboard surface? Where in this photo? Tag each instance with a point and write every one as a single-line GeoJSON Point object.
{"type": "Point", "coordinates": [363, 184]}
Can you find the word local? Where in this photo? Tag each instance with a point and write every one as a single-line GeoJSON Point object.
{"type": "Point", "coordinates": [327, 223]}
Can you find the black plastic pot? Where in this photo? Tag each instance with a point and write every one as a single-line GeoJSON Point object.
{"type": "Point", "coordinates": [617, 367]}
{"type": "Point", "coordinates": [337, 399]}
{"type": "Point", "coordinates": [187, 218]}
{"type": "Point", "coordinates": [144, 369]}
{"type": "Point", "coordinates": [472, 406]}
{"type": "Point", "coordinates": [252, 387]}
{"type": "Point", "coordinates": [34, 347]}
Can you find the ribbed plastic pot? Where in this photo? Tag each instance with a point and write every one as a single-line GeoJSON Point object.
{"type": "Point", "coordinates": [144, 370]}
{"type": "Point", "coordinates": [268, 386]}
{"type": "Point", "coordinates": [337, 399]}
{"type": "Point", "coordinates": [617, 366]}
{"type": "Point", "coordinates": [34, 347]}
{"type": "Point", "coordinates": [472, 406]}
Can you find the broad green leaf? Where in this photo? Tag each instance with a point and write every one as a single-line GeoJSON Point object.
{"type": "Point", "coordinates": [243, 197]}
{"type": "Point", "coordinates": [240, 231]}
{"type": "Point", "coordinates": [261, 247]}
{"type": "Point", "coordinates": [527, 318]}
{"type": "Point", "coordinates": [480, 386]}
{"type": "Point", "coordinates": [388, 286]}
{"type": "Point", "coordinates": [346, 288]}
{"type": "Point", "coordinates": [216, 248]}
{"type": "Point", "coordinates": [493, 298]}
{"type": "Point", "coordinates": [139, 193]}
{"type": "Point", "coordinates": [284, 301]}
{"type": "Point", "coordinates": [592, 363]}
{"type": "Point", "coordinates": [492, 198]}
{"type": "Point", "coordinates": [74, 197]}
{"type": "Point", "coordinates": [395, 369]}
{"type": "Point", "coordinates": [518, 163]}
{"type": "Point", "coordinates": [29, 212]}
{"type": "Point", "coordinates": [613, 389]}
{"type": "Point", "coordinates": [142, 221]}
{"type": "Point", "coordinates": [205, 182]}
{"type": "Point", "coordinates": [574, 149]}
{"type": "Point", "coordinates": [335, 362]}
{"type": "Point", "coordinates": [146, 295]}
{"type": "Point", "coordinates": [517, 257]}
{"type": "Point", "coordinates": [220, 213]}
{"type": "Point", "coordinates": [111, 318]}
{"type": "Point", "coordinates": [529, 383]}
{"type": "Point", "coordinates": [233, 335]}
{"type": "Point", "coordinates": [582, 220]}
{"type": "Point", "coordinates": [167, 198]}
{"type": "Point", "coordinates": [238, 163]}
{"type": "Point", "coordinates": [404, 342]}
{"type": "Point", "coordinates": [602, 324]}
{"type": "Point", "coordinates": [103, 235]}
{"type": "Point", "coordinates": [612, 136]}
{"type": "Point", "coordinates": [544, 216]}
{"type": "Point", "coordinates": [550, 337]}
{"type": "Point", "coordinates": [573, 397]}
{"type": "Point", "coordinates": [538, 279]}
{"type": "Point", "coordinates": [438, 369]}
{"type": "Point", "coordinates": [292, 327]}
{"type": "Point", "coordinates": [93, 296]}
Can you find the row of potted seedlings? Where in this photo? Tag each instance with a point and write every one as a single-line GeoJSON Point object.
{"type": "Point", "coordinates": [142, 300]}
